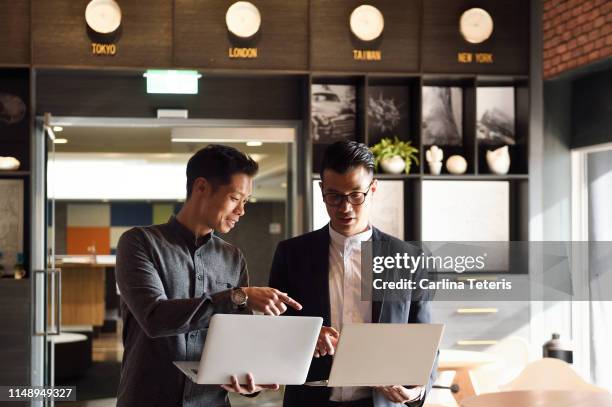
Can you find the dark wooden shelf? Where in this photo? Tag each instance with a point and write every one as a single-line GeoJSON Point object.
{"type": "Point", "coordinates": [476, 177]}
{"type": "Point", "coordinates": [5, 65]}
{"type": "Point", "coordinates": [447, 177]}
{"type": "Point", "coordinates": [13, 174]}
{"type": "Point", "coordinates": [10, 282]}
{"type": "Point", "coordinates": [397, 176]}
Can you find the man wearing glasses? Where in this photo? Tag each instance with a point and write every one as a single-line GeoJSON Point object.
{"type": "Point", "coordinates": [322, 270]}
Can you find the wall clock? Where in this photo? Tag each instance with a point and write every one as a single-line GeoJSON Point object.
{"type": "Point", "coordinates": [243, 19]}
{"type": "Point", "coordinates": [367, 22]}
{"type": "Point", "coordinates": [476, 25]}
{"type": "Point", "coordinates": [103, 16]}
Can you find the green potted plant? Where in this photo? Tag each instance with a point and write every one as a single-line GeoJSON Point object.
{"type": "Point", "coordinates": [394, 156]}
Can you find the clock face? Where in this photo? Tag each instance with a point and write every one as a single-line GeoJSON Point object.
{"type": "Point", "coordinates": [476, 25]}
{"type": "Point", "coordinates": [103, 16]}
{"type": "Point", "coordinates": [243, 19]}
{"type": "Point", "coordinates": [367, 22]}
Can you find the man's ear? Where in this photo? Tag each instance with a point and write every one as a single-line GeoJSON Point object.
{"type": "Point", "coordinates": [374, 185]}
{"type": "Point", "coordinates": [321, 186]}
{"type": "Point", "coordinates": [200, 186]}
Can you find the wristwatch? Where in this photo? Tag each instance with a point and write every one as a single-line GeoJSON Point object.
{"type": "Point", "coordinates": [239, 297]}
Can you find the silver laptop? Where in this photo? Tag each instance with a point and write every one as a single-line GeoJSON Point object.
{"type": "Point", "coordinates": [384, 354]}
{"type": "Point", "coordinates": [276, 350]}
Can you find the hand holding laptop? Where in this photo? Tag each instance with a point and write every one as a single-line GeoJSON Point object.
{"type": "Point", "coordinates": [250, 387]}
{"type": "Point", "coordinates": [327, 342]}
{"type": "Point", "coordinates": [400, 394]}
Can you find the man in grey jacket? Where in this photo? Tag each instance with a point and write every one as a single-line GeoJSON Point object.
{"type": "Point", "coordinates": [173, 277]}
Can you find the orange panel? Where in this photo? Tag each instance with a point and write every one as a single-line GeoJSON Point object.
{"type": "Point", "coordinates": [79, 239]}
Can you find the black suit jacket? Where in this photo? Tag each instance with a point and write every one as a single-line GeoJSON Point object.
{"type": "Point", "coordinates": [301, 269]}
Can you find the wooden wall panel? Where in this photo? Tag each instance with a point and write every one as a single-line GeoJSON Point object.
{"type": "Point", "coordinates": [83, 295]}
{"type": "Point", "coordinates": [117, 94]}
{"type": "Point", "coordinates": [60, 34]}
{"type": "Point", "coordinates": [442, 40]}
{"type": "Point", "coordinates": [15, 334]}
{"type": "Point", "coordinates": [14, 31]}
{"type": "Point", "coordinates": [332, 42]}
{"type": "Point", "coordinates": [202, 38]}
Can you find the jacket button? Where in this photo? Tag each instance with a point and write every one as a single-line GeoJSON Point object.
{"type": "Point", "coordinates": [199, 276]}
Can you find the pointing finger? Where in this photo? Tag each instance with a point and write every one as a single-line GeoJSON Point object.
{"type": "Point", "coordinates": [290, 302]}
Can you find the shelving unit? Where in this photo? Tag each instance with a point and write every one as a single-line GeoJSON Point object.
{"type": "Point", "coordinates": [15, 142]}
{"type": "Point", "coordinates": [410, 87]}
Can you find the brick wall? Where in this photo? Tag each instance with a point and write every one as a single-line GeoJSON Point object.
{"type": "Point", "coordinates": [576, 33]}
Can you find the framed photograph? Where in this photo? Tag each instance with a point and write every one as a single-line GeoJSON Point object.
{"type": "Point", "coordinates": [442, 115]}
{"type": "Point", "coordinates": [387, 210]}
{"type": "Point", "coordinates": [333, 113]}
{"type": "Point", "coordinates": [495, 115]}
{"type": "Point", "coordinates": [11, 220]}
{"type": "Point", "coordinates": [388, 112]}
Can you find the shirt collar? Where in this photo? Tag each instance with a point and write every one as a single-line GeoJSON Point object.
{"type": "Point", "coordinates": [342, 240]}
{"type": "Point", "coordinates": [187, 234]}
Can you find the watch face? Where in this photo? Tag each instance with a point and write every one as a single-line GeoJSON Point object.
{"type": "Point", "coordinates": [476, 25]}
{"type": "Point", "coordinates": [367, 22]}
{"type": "Point", "coordinates": [243, 19]}
{"type": "Point", "coordinates": [103, 16]}
{"type": "Point", "coordinates": [239, 297]}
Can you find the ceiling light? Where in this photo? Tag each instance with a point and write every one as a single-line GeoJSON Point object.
{"type": "Point", "coordinates": [60, 141]}
{"type": "Point", "coordinates": [254, 143]}
{"type": "Point", "coordinates": [58, 128]}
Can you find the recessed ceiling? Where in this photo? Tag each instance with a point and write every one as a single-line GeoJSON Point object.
{"type": "Point", "coordinates": [270, 184]}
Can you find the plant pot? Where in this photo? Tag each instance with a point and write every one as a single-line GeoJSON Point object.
{"type": "Point", "coordinates": [435, 167]}
{"type": "Point", "coordinates": [393, 165]}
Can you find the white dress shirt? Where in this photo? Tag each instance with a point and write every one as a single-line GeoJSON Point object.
{"type": "Point", "coordinates": [345, 295]}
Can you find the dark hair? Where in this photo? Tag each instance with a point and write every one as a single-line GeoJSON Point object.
{"type": "Point", "coordinates": [343, 156]}
{"type": "Point", "coordinates": [217, 163]}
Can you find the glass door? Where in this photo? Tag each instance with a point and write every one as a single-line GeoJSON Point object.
{"type": "Point", "coordinates": [46, 277]}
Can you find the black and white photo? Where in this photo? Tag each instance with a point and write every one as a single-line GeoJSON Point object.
{"type": "Point", "coordinates": [442, 116]}
{"type": "Point", "coordinates": [333, 113]}
{"type": "Point", "coordinates": [388, 112]}
{"type": "Point", "coordinates": [495, 115]}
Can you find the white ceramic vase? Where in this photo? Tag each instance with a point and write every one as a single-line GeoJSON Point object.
{"type": "Point", "coordinates": [499, 160]}
{"type": "Point", "coordinates": [393, 165]}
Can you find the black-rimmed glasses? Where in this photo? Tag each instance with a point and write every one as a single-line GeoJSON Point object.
{"type": "Point", "coordinates": [354, 198]}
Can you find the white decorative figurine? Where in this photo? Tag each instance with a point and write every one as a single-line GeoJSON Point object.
{"type": "Point", "coordinates": [456, 164]}
{"type": "Point", "coordinates": [434, 158]}
{"type": "Point", "coordinates": [9, 163]}
{"type": "Point", "coordinates": [499, 160]}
